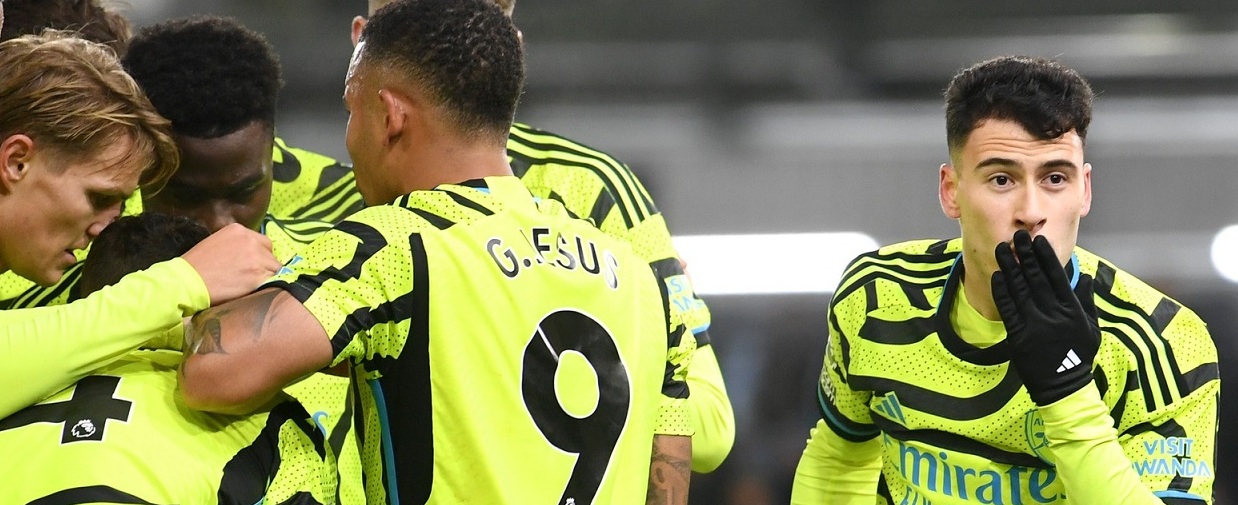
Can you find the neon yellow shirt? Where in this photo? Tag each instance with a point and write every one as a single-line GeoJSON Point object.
{"type": "Point", "coordinates": [121, 435]}
{"type": "Point", "coordinates": [45, 349]}
{"type": "Point", "coordinates": [914, 411]}
{"type": "Point", "coordinates": [497, 341]}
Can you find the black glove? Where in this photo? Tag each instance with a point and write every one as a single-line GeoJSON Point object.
{"type": "Point", "coordinates": [1051, 330]}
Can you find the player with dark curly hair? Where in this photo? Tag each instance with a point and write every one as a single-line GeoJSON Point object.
{"type": "Point", "coordinates": [219, 82]}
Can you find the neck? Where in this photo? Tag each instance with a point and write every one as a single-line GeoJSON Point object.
{"type": "Point", "coordinates": [979, 291]}
{"type": "Point", "coordinates": [447, 165]}
{"type": "Point", "coordinates": [446, 162]}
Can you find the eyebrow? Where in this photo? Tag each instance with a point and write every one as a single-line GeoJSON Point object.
{"type": "Point", "coordinates": [1005, 162]}
{"type": "Point", "coordinates": [113, 193]}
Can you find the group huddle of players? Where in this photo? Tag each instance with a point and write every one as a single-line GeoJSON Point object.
{"type": "Point", "coordinates": [477, 310]}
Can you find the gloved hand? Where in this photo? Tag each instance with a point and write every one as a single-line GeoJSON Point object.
{"type": "Point", "coordinates": [1051, 330]}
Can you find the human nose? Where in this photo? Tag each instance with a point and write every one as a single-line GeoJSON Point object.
{"type": "Point", "coordinates": [104, 218]}
{"type": "Point", "coordinates": [1030, 213]}
{"type": "Point", "coordinates": [215, 217]}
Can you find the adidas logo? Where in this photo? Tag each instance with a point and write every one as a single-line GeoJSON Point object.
{"type": "Point", "coordinates": [1070, 361]}
{"type": "Point", "coordinates": [890, 407]}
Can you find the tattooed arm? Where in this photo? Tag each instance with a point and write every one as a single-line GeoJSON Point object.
{"type": "Point", "coordinates": [240, 354]}
{"type": "Point", "coordinates": [669, 470]}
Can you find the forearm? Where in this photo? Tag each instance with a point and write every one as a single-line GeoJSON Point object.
{"type": "Point", "coordinates": [241, 354]}
{"type": "Point", "coordinates": [45, 349]}
{"type": "Point", "coordinates": [836, 471]}
{"type": "Point", "coordinates": [1087, 455]}
{"type": "Point", "coordinates": [669, 470]}
{"type": "Point", "coordinates": [712, 417]}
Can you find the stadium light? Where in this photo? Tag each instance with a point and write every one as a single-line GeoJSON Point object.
{"type": "Point", "coordinates": [1225, 253]}
{"type": "Point", "coordinates": [770, 263]}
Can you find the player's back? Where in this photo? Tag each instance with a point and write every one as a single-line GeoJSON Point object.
{"type": "Point", "coordinates": [524, 362]}
{"type": "Point", "coordinates": [120, 435]}
{"type": "Point", "coordinates": [569, 390]}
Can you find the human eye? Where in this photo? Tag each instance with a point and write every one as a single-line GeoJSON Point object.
{"type": "Point", "coordinates": [1000, 180]}
{"type": "Point", "coordinates": [101, 201]}
{"type": "Point", "coordinates": [1056, 179]}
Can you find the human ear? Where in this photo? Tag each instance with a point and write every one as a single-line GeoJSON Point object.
{"type": "Point", "coordinates": [1087, 190]}
{"type": "Point", "coordinates": [15, 154]}
{"type": "Point", "coordinates": [947, 191]}
{"type": "Point", "coordinates": [358, 24]}
{"type": "Point", "coordinates": [396, 113]}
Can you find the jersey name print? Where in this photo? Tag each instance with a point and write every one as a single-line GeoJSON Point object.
{"type": "Point", "coordinates": [556, 250]}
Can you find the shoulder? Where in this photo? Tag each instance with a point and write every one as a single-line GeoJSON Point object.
{"type": "Point", "coordinates": [1125, 299]}
{"type": "Point", "coordinates": [924, 262]}
{"type": "Point", "coordinates": [1151, 337]}
{"type": "Point", "coordinates": [537, 144]}
{"type": "Point", "coordinates": [285, 154]}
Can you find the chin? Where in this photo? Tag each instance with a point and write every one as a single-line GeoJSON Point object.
{"type": "Point", "coordinates": [46, 279]}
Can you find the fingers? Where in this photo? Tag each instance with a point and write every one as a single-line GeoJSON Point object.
{"type": "Point", "coordinates": [1012, 274]}
{"type": "Point", "coordinates": [232, 262]}
{"type": "Point", "coordinates": [1033, 273]}
{"type": "Point", "coordinates": [1052, 269]}
{"type": "Point", "coordinates": [1005, 303]}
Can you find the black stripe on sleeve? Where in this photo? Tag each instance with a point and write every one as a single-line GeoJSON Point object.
{"type": "Point", "coordinates": [349, 202]}
{"type": "Point", "coordinates": [1131, 317]}
{"type": "Point", "coordinates": [1201, 375]}
{"type": "Point", "coordinates": [842, 425]}
{"type": "Point", "coordinates": [671, 387]}
{"type": "Point", "coordinates": [407, 387]}
{"type": "Point", "coordinates": [331, 174]}
{"type": "Point", "coordinates": [602, 206]}
{"type": "Point", "coordinates": [288, 168]}
{"type": "Point", "coordinates": [1151, 375]}
{"type": "Point", "coordinates": [609, 171]}
{"type": "Point", "coordinates": [89, 494]}
{"type": "Point", "coordinates": [246, 475]}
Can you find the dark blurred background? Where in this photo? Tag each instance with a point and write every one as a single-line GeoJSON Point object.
{"type": "Point", "coordinates": [825, 115]}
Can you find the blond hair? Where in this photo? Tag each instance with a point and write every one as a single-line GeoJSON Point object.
{"type": "Point", "coordinates": [74, 97]}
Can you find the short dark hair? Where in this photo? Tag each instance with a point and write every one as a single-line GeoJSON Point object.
{"type": "Point", "coordinates": [134, 243]}
{"type": "Point", "coordinates": [209, 75]}
{"type": "Point", "coordinates": [464, 54]}
{"type": "Point", "coordinates": [1045, 97]}
{"type": "Point", "coordinates": [89, 19]}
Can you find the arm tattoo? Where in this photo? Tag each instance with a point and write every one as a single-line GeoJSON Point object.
{"type": "Point", "coordinates": [206, 332]}
{"type": "Point", "coordinates": [668, 478]}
